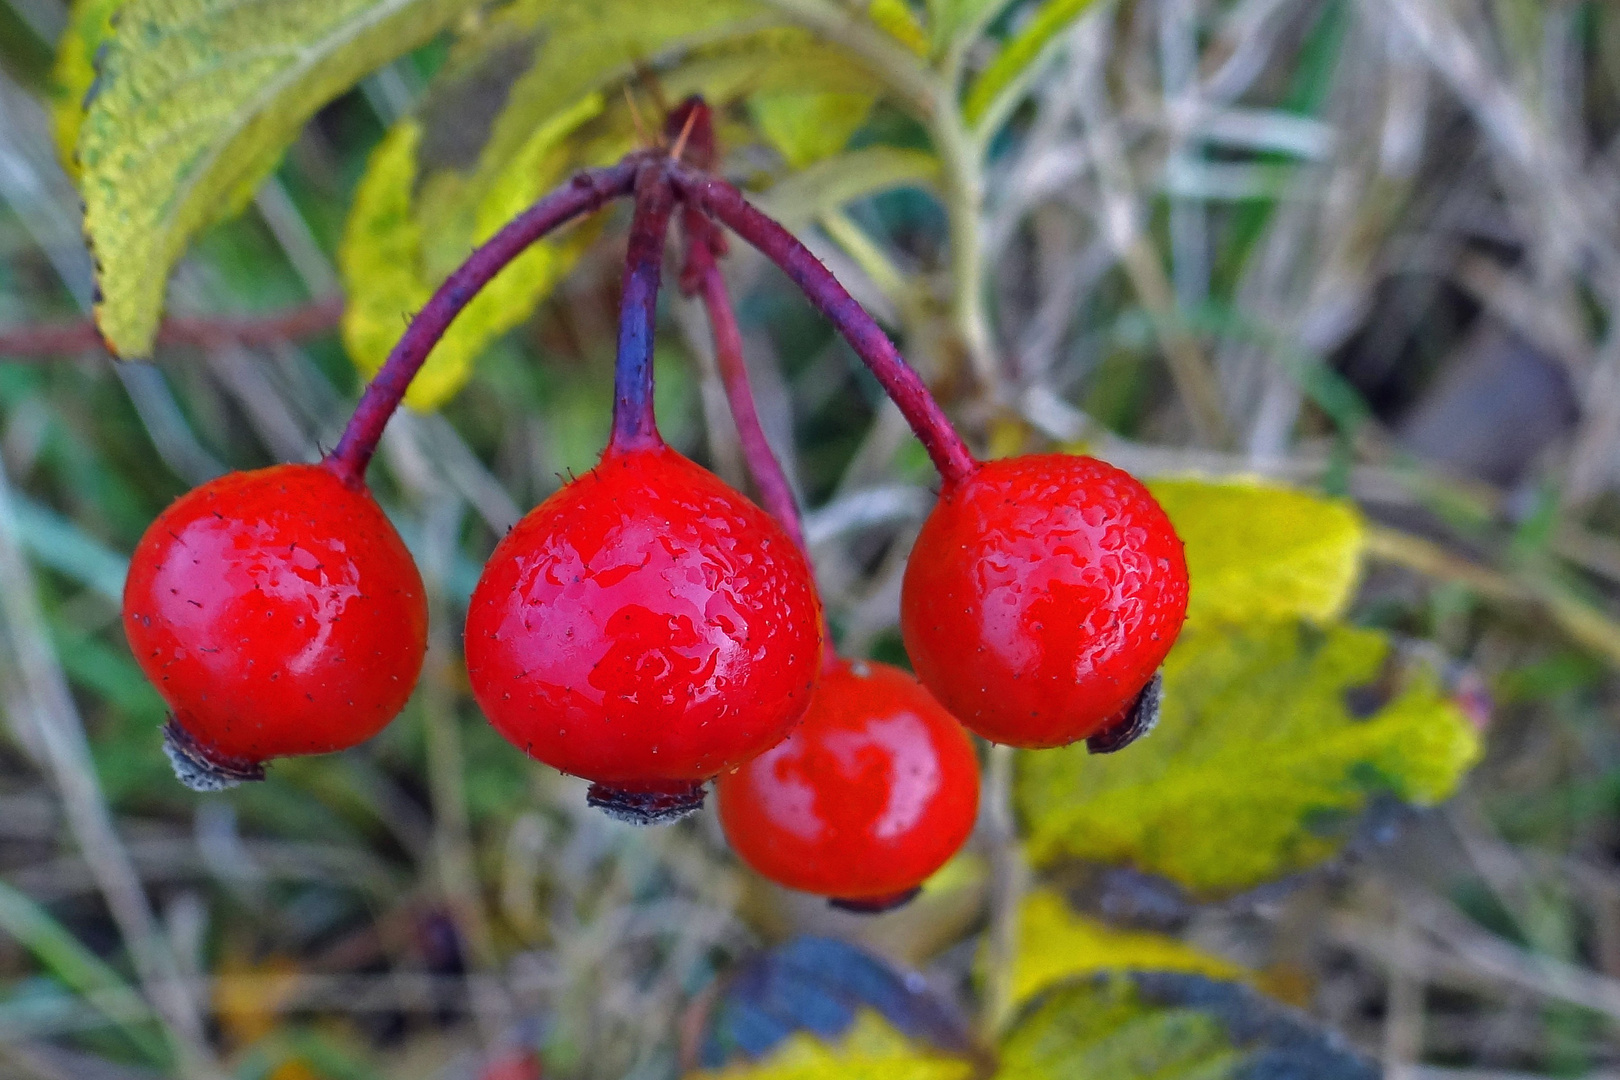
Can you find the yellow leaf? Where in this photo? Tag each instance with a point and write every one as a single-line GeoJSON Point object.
{"type": "Point", "coordinates": [1103, 1031]}
{"type": "Point", "coordinates": [895, 17]}
{"type": "Point", "coordinates": [809, 127]}
{"type": "Point", "coordinates": [382, 257]}
{"type": "Point", "coordinates": [1056, 944]}
{"type": "Point", "coordinates": [249, 995]}
{"type": "Point", "coordinates": [195, 101]}
{"type": "Point", "coordinates": [1261, 551]}
{"type": "Point", "coordinates": [1258, 765]}
{"type": "Point", "coordinates": [89, 24]}
{"type": "Point", "coordinates": [870, 1050]}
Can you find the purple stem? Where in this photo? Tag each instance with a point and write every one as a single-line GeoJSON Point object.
{"type": "Point", "coordinates": [633, 422]}
{"type": "Point", "coordinates": [900, 381]}
{"type": "Point", "coordinates": [702, 276]}
{"type": "Point", "coordinates": [586, 192]}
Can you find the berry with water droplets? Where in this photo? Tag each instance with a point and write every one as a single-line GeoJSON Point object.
{"type": "Point", "coordinates": [645, 628]}
{"type": "Point", "coordinates": [868, 797]}
{"type": "Point", "coordinates": [1041, 596]}
{"type": "Point", "coordinates": [278, 613]}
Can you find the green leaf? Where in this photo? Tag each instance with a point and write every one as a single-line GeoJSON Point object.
{"type": "Point", "coordinates": [1103, 1028]}
{"type": "Point", "coordinates": [385, 273]}
{"type": "Point", "coordinates": [870, 1050]}
{"type": "Point", "coordinates": [1055, 944]}
{"type": "Point", "coordinates": [89, 24]}
{"type": "Point", "coordinates": [195, 102]}
{"type": "Point", "coordinates": [1019, 57]}
{"type": "Point", "coordinates": [836, 182]}
{"type": "Point", "coordinates": [1258, 766]}
{"type": "Point", "coordinates": [81, 970]}
{"type": "Point", "coordinates": [895, 18]}
{"type": "Point", "coordinates": [809, 127]}
{"type": "Point", "coordinates": [947, 19]}
{"type": "Point", "coordinates": [1260, 551]}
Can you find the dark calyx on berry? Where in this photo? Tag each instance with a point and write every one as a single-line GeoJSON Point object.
{"type": "Point", "coordinates": [645, 628]}
{"type": "Point", "coordinates": [278, 613]}
{"type": "Point", "coordinates": [199, 769]}
{"type": "Point", "coordinates": [646, 806]}
{"type": "Point", "coordinates": [875, 905]}
{"type": "Point", "coordinates": [1136, 720]}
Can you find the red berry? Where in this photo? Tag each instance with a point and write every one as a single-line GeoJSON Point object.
{"type": "Point", "coordinates": [515, 1065]}
{"type": "Point", "coordinates": [869, 796]}
{"type": "Point", "coordinates": [1041, 596]}
{"type": "Point", "coordinates": [277, 612]}
{"type": "Point", "coordinates": [645, 628]}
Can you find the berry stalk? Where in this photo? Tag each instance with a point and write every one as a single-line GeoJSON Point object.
{"type": "Point", "coordinates": [633, 422]}
{"type": "Point", "coordinates": [900, 381]}
{"type": "Point", "coordinates": [584, 194]}
{"type": "Point", "coordinates": [702, 276]}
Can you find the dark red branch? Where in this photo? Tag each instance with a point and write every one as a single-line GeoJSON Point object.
{"type": "Point", "coordinates": [902, 383]}
{"type": "Point", "coordinates": [198, 331]}
{"type": "Point", "coordinates": [585, 193]}
{"type": "Point", "coordinates": [633, 421]}
{"type": "Point", "coordinates": [703, 277]}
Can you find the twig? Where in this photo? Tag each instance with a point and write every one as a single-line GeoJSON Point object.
{"type": "Point", "coordinates": [49, 340]}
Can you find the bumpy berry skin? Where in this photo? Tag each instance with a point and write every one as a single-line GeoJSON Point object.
{"type": "Point", "coordinates": [869, 796]}
{"type": "Point", "coordinates": [646, 627]}
{"type": "Point", "coordinates": [1041, 596]}
{"type": "Point", "coordinates": [278, 613]}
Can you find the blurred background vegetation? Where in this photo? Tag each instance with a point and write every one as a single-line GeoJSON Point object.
{"type": "Point", "coordinates": [1370, 247]}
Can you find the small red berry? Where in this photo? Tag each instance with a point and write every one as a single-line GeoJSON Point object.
{"type": "Point", "coordinates": [645, 628]}
{"type": "Point", "coordinates": [1041, 596]}
{"type": "Point", "coordinates": [868, 797]}
{"type": "Point", "coordinates": [278, 613]}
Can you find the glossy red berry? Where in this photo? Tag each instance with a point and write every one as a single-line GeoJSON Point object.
{"type": "Point", "coordinates": [868, 797]}
{"type": "Point", "coordinates": [278, 613]}
{"type": "Point", "coordinates": [1041, 596]}
{"type": "Point", "coordinates": [645, 628]}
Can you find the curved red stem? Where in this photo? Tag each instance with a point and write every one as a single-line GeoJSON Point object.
{"type": "Point", "coordinates": [585, 193]}
{"type": "Point", "coordinates": [900, 381]}
{"type": "Point", "coordinates": [702, 276]}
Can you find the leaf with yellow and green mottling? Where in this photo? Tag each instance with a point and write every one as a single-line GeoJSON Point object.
{"type": "Point", "coordinates": [383, 265]}
{"type": "Point", "coordinates": [1258, 765]}
{"type": "Point", "coordinates": [1057, 944]}
{"type": "Point", "coordinates": [869, 1050]}
{"type": "Point", "coordinates": [725, 51]}
{"type": "Point", "coordinates": [195, 101]}
{"type": "Point", "coordinates": [1261, 551]}
{"type": "Point", "coordinates": [89, 24]}
{"type": "Point", "coordinates": [809, 127]}
{"type": "Point", "coordinates": [592, 45]}
{"type": "Point", "coordinates": [1102, 1028]}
